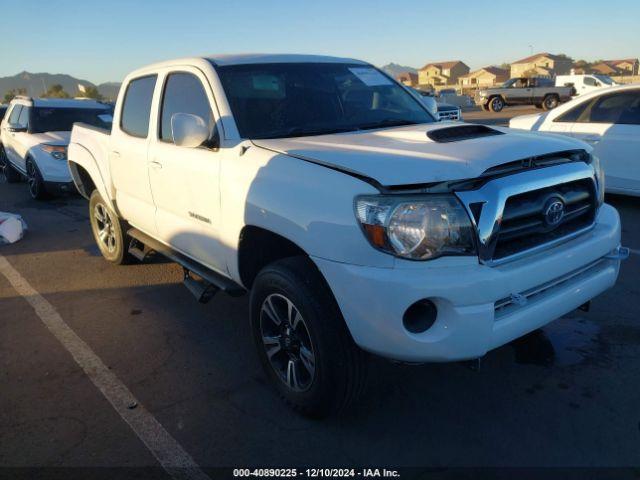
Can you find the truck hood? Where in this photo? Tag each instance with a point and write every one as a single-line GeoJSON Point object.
{"type": "Point", "coordinates": [406, 155]}
{"type": "Point", "coordinates": [52, 138]}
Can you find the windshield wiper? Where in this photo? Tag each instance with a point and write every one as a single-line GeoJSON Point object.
{"type": "Point", "coordinates": [387, 122]}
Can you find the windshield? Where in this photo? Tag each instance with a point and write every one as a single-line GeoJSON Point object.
{"type": "Point", "coordinates": [604, 79]}
{"type": "Point", "coordinates": [62, 119]}
{"type": "Point", "coordinates": [509, 82]}
{"type": "Point", "coordinates": [298, 99]}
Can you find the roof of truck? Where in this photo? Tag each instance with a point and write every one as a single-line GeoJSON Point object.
{"type": "Point", "coordinates": [246, 58]}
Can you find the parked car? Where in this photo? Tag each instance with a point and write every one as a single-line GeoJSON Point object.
{"type": "Point", "coordinates": [540, 92]}
{"type": "Point", "coordinates": [609, 120]}
{"type": "Point", "coordinates": [356, 222]}
{"type": "Point", "coordinates": [440, 110]}
{"type": "Point", "coordinates": [584, 83]}
{"type": "Point", "coordinates": [34, 137]}
{"type": "Point", "coordinates": [450, 96]}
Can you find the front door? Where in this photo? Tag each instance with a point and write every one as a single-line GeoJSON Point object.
{"type": "Point", "coordinates": [611, 124]}
{"type": "Point", "coordinates": [185, 181]}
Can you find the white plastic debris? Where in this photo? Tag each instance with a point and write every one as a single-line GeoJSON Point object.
{"type": "Point", "coordinates": [12, 227]}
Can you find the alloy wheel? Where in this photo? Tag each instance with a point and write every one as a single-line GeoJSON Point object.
{"type": "Point", "coordinates": [287, 342]}
{"type": "Point", "coordinates": [104, 225]}
{"type": "Point", "coordinates": [32, 180]}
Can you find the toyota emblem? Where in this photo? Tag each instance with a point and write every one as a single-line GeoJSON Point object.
{"type": "Point", "coordinates": [554, 213]}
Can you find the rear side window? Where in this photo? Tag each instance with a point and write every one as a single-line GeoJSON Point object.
{"type": "Point", "coordinates": [136, 109]}
{"type": "Point", "coordinates": [572, 115]}
{"type": "Point", "coordinates": [15, 114]}
{"type": "Point", "coordinates": [183, 93]}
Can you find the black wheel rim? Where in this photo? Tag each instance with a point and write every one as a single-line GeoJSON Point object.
{"type": "Point", "coordinates": [32, 180]}
{"type": "Point", "coordinates": [3, 162]}
{"type": "Point", "coordinates": [105, 232]}
{"type": "Point", "coordinates": [287, 343]}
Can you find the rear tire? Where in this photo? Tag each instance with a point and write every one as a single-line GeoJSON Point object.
{"type": "Point", "coordinates": [10, 173]}
{"type": "Point", "coordinates": [108, 231]}
{"type": "Point", "coordinates": [37, 189]}
{"type": "Point", "coordinates": [302, 340]}
{"type": "Point", "coordinates": [550, 102]}
{"type": "Point", "coordinates": [496, 104]}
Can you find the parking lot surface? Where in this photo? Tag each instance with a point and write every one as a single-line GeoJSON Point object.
{"type": "Point", "coordinates": [563, 396]}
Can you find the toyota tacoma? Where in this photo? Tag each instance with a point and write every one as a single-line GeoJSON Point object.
{"type": "Point", "coordinates": [355, 220]}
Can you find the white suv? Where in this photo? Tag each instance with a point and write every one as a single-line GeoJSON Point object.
{"type": "Point", "coordinates": [34, 138]}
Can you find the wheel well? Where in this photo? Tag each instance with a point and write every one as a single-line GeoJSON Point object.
{"type": "Point", "coordinates": [259, 247]}
{"type": "Point", "coordinates": [82, 179]}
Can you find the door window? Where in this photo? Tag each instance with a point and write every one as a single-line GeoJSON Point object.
{"type": "Point", "coordinates": [184, 93]}
{"type": "Point", "coordinates": [137, 106]}
{"type": "Point", "coordinates": [621, 108]}
{"type": "Point", "coordinates": [15, 114]}
{"type": "Point", "coordinates": [590, 82]}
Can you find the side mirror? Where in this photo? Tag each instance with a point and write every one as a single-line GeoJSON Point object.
{"type": "Point", "coordinates": [188, 130]}
{"type": "Point", "coordinates": [17, 128]}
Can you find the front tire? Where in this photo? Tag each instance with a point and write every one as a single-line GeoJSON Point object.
{"type": "Point", "coordinates": [37, 189]}
{"type": "Point", "coordinates": [10, 174]}
{"type": "Point", "coordinates": [302, 340]}
{"type": "Point", "coordinates": [108, 231]}
{"type": "Point", "coordinates": [496, 104]}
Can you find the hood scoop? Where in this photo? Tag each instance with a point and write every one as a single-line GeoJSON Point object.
{"type": "Point", "coordinates": [461, 132]}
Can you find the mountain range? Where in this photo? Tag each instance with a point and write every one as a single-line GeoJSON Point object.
{"type": "Point", "coordinates": [37, 83]}
{"type": "Point", "coordinates": [393, 69]}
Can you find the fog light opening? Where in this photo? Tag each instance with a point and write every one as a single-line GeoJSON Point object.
{"type": "Point", "coordinates": [420, 316]}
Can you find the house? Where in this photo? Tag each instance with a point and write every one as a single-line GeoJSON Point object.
{"type": "Point", "coordinates": [442, 73]}
{"type": "Point", "coordinates": [484, 77]}
{"type": "Point", "coordinates": [408, 78]}
{"type": "Point", "coordinates": [626, 66]}
{"type": "Point", "coordinates": [541, 64]}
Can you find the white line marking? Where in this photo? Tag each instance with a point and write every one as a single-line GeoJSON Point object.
{"type": "Point", "coordinates": [173, 458]}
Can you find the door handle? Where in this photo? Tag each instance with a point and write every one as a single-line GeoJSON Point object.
{"type": "Point", "coordinates": [155, 164]}
{"type": "Point", "coordinates": [591, 139]}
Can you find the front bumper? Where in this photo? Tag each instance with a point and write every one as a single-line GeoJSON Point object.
{"type": "Point", "coordinates": [60, 188]}
{"type": "Point", "coordinates": [470, 297]}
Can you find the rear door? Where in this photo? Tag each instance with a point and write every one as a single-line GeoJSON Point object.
{"type": "Point", "coordinates": [185, 181]}
{"type": "Point", "coordinates": [128, 153]}
{"type": "Point", "coordinates": [611, 124]}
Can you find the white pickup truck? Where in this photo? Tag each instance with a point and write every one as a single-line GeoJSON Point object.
{"type": "Point", "coordinates": [356, 221]}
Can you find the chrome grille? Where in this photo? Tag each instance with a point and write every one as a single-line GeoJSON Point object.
{"type": "Point", "coordinates": [524, 224]}
{"type": "Point", "coordinates": [510, 212]}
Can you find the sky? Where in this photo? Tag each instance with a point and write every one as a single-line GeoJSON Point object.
{"type": "Point", "coordinates": [103, 40]}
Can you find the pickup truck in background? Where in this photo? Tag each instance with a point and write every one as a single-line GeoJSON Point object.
{"type": "Point", "coordinates": [357, 223]}
{"type": "Point", "coordinates": [541, 92]}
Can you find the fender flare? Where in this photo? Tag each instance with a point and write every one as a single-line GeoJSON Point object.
{"type": "Point", "coordinates": [85, 160]}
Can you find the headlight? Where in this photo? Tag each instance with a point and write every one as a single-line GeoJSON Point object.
{"type": "Point", "coordinates": [417, 227]}
{"type": "Point", "coordinates": [59, 152]}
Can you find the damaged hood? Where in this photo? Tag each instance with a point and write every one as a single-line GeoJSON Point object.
{"type": "Point", "coordinates": [406, 155]}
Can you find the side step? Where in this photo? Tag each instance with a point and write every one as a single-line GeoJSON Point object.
{"type": "Point", "coordinates": [203, 288]}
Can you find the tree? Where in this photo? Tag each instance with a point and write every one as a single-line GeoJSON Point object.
{"type": "Point", "coordinates": [91, 92]}
{"type": "Point", "coordinates": [11, 94]}
{"type": "Point", "coordinates": [56, 91]}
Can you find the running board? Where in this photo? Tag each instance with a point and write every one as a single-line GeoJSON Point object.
{"type": "Point", "coordinates": [204, 288]}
